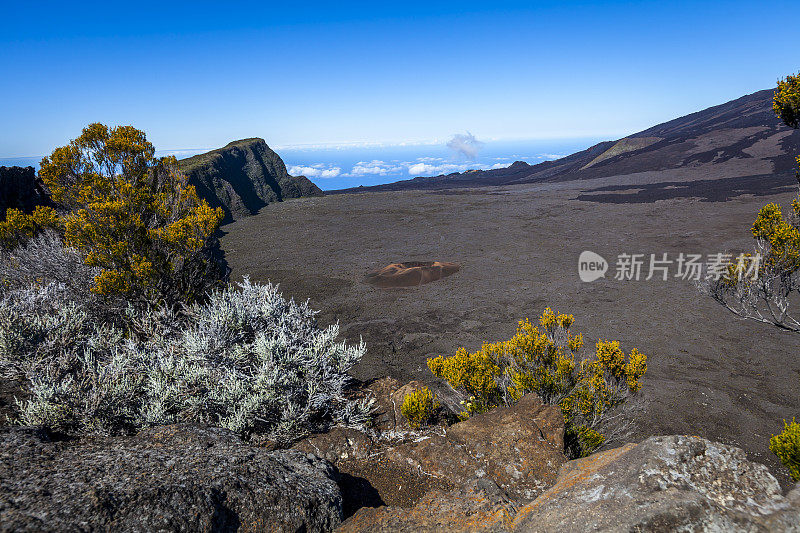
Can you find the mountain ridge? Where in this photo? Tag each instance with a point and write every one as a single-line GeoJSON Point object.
{"type": "Point", "coordinates": [243, 176]}
{"type": "Point", "coordinates": [743, 133]}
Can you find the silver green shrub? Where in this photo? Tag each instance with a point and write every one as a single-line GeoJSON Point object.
{"type": "Point", "coordinates": [247, 359]}
{"type": "Point", "coordinates": [43, 260]}
{"type": "Point", "coordinates": [262, 363]}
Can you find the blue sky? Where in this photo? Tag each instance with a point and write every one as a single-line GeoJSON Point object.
{"type": "Point", "coordinates": [200, 74]}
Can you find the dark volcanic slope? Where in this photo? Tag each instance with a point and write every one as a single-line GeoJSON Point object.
{"type": "Point", "coordinates": [21, 189]}
{"type": "Point", "coordinates": [740, 138]}
{"type": "Point", "coordinates": [243, 177]}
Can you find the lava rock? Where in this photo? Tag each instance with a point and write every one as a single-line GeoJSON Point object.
{"type": "Point", "coordinates": [673, 483]}
{"type": "Point", "coordinates": [21, 189]}
{"type": "Point", "coordinates": [244, 176]}
{"type": "Point", "coordinates": [478, 506]}
{"type": "Point", "coordinates": [170, 478]}
{"type": "Point", "coordinates": [519, 447]}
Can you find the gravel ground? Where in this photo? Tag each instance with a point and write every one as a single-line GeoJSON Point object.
{"type": "Point", "coordinates": [709, 373]}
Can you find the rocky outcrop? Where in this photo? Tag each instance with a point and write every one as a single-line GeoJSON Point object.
{"type": "Point", "coordinates": [21, 189]}
{"type": "Point", "coordinates": [172, 478]}
{"type": "Point", "coordinates": [502, 471]}
{"type": "Point", "coordinates": [673, 483]}
{"type": "Point", "coordinates": [517, 449]}
{"type": "Point", "coordinates": [243, 177]}
{"type": "Point", "coordinates": [520, 448]}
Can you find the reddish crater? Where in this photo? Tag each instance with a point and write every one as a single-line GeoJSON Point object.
{"type": "Point", "coordinates": [410, 273]}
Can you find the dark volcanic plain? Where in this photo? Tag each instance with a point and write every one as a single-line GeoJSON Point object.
{"type": "Point", "coordinates": [691, 185]}
{"type": "Point", "coordinates": [710, 373]}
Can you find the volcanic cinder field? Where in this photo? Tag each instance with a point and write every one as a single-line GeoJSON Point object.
{"type": "Point", "coordinates": [709, 373]}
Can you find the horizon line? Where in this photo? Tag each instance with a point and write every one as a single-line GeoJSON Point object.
{"type": "Point", "coordinates": [366, 144]}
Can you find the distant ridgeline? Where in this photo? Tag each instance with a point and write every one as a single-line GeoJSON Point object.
{"type": "Point", "coordinates": [21, 189]}
{"type": "Point", "coordinates": [243, 177]}
{"type": "Point", "coordinates": [744, 135]}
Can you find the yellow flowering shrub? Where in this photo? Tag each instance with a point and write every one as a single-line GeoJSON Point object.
{"type": "Point", "coordinates": [128, 213]}
{"type": "Point", "coordinates": [770, 296]}
{"type": "Point", "coordinates": [419, 407]}
{"type": "Point", "coordinates": [18, 226]}
{"type": "Point", "coordinates": [472, 372]}
{"type": "Point", "coordinates": [781, 236]}
{"type": "Point", "coordinates": [786, 445]}
{"type": "Point", "coordinates": [767, 293]}
{"type": "Point", "coordinates": [786, 102]}
{"type": "Point", "coordinates": [545, 359]}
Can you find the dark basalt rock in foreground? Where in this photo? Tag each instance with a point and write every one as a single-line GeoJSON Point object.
{"type": "Point", "coordinates": [243, 177]}
{"type": "Point", "coordinates": [172, 478]}
{"type": "Point", "coordinates": [21, 189]}
{"type": "Point", "coordinates": [502, 471]}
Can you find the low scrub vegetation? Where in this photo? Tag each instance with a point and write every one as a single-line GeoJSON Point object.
{"type": "Point", "coordinates": [132, 216]}
{"type": "Point", "coordinates": [246, 359]}
{"type": "Point", "coordinates": [786, 445]}
{"type": "Point", "coordinates": [419, 407]}
{"type": "Point", "coordinates": [769, 294]}
{"type": "Point", "coordinates": [115, 315]}
{"type": "Point", "coordinates": [593, 391]}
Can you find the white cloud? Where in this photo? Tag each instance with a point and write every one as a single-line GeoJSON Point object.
{"type": "Point", "coordinates": [420, 169]}
{"type": "Point", "coordinates": [465, 145]}
{"type": "Point", "coordinates": [421, 166]}
{"type": "Point", "coordinates": [426, 169]}
{"type": "Point", "coordinates": [375, 167]}
{"type": "Point", "coordinates": [315, 171]}
{"type": "Point", "coordinates": [181, 154]}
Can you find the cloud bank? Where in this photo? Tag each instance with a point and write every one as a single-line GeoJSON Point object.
{"type": "Point", "coordinates": [315, 171]}
{"type": "Point", "coordinates": [375, 167]}
{"type": "Point", "coordinates": [465, 150]}
{"type": "Point", "coordinates": [422, 166]}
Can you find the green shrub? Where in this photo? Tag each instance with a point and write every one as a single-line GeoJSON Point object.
{"type": "Point", "coordinates": [419, 407]}
{"type": "Point", "coordinates": [591, 391]}
{"type": "Point", "coordinates": [786, 445]}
